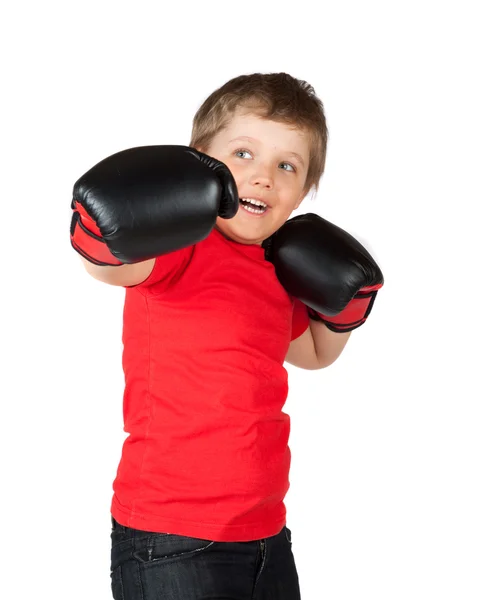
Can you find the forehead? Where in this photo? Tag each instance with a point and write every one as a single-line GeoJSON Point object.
{"type": "Point", "coordinates": [252, 127]}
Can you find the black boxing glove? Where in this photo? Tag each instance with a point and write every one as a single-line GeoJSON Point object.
{"type": "Point", "coordinates": [143, 202]}
{"type": "Point", "coordinates": [327, 269]}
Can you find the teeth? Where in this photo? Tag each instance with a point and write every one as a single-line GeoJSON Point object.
{"type": "Point", "coordinates": [255, 202]}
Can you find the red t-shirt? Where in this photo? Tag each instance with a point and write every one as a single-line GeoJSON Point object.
{"type": "Point", "coordinates": [205, 338]}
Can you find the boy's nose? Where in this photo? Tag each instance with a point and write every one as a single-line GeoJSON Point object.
{"type": "Point", "coordinates": [262, 178]}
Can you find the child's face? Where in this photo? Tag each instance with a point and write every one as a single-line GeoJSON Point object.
{"type": "Point", "coordinates": [269, 162]}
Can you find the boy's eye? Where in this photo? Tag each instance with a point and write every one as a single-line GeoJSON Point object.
{"type": "Point", "coordinates": [241, 152]}
{"type": "Point", "coordinates": [290, 169]}
{"type": "Point", "coordinates": [289, 165]}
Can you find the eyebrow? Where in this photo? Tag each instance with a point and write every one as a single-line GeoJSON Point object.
{"type": "Point", "coordinates": [246, 138]}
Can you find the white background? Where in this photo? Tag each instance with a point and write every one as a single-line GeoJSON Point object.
{"type": "Point", "coordinates": [387, 489]}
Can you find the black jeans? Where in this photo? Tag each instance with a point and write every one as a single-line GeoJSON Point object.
{"type": "Point", "coordinates": [163, 566]}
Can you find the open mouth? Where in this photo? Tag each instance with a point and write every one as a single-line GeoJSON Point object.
{"type": "Point", "coordinates": [255, 207]}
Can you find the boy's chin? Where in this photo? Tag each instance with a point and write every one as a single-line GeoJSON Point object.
{"type": "Point", "coordinates": [240, 234]}
{"type": "Point", "coordinates": [244, 232]}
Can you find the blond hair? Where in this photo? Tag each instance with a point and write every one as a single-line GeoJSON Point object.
{"type": "Point", "coordinates": [276, 96]}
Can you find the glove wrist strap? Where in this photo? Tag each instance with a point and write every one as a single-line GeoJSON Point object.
{"type": "Point", "coordinates": [353, 315]}
{"type": "Point", "coordinates": [89, 242]}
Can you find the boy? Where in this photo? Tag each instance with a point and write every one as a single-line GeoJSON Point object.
{"type": "Point", "coordinates": [221, 289]}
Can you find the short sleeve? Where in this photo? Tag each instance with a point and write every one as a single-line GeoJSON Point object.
{"type": "Point", "coordinates": [166, 271]}
{"type": "Point", "coordinates": [300, 320]}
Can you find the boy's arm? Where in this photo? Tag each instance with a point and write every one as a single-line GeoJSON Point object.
{"type": "Point", "coordinates": [146, 202]}
{"type": "Point", "coordinates": [332, 275]}
{"type": "Point", "coordinates": [328, 344]}
{"type": "Point", "coordinates": [123, 275]}
{"type": "Point", "coordinates": [316, 348]}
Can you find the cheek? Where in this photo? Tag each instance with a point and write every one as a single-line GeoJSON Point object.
{"type": "Point", "coordinates": [289, 191]}
{"type": "Point", "coordinates": [236, 170]}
